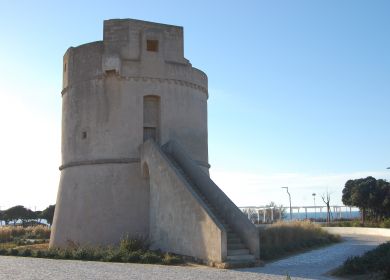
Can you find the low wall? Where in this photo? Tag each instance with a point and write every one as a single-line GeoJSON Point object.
{"type": "Point", "coordinates": [358, 230]}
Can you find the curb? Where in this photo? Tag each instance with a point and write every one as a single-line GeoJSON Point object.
{"type": "Point", "coordinates": [358, 230]}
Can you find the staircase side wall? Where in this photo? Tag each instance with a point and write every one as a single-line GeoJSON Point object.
{"type": "Point", "coordinates": [179, 220]}
{"type": "Point", "coordinates": [230, 212]}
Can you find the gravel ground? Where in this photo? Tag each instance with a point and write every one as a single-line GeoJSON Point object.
{"type": "Point", "coordinates": [18, 268]}
{"type": "Point", "coordinates": [310, 265]}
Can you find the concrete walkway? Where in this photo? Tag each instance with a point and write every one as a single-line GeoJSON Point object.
{"type": "Point", "coordinates": [315, 264]}
{"type": "Point", "coordinates": [310, 265]}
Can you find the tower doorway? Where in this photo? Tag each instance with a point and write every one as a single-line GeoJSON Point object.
{"type": "Point", "coordinates": [151, 123]}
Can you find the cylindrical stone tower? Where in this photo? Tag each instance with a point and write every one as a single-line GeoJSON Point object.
{"type": "Point", "coordinates": [133, 85]}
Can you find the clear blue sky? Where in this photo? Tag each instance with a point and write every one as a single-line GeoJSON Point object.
{"type": "Point", "coordinates": [299, 90]}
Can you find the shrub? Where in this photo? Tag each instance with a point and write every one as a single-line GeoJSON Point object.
{"type": "Point", "coordinates": [129, 250]}
{"type": "Point", "coordinates": [13, 252]}
{"type": "Point", "coordinates": [25, 253]}
{"type": "Point", "coordinates": [83, 253]}
{"type": "Point", "coordinates": [150, 257]}
{"type": "Point", "coordinates": [39, 254]}
{"type": "Point", "coordinates": [112, 255]}
{"type": "Point", "coordinates": [385, 223]}
{"type": "Point", "coordinates": [133, 257]}
{"type": "Point", "coordinates": [53, 253]}
{"type": "Point", "coordinates": [374, 261]}
{"type": "Point", "coordinates": [130, 244]}
{"type": "Point", "coordinates": [169, 259]}
{"type": "Point", "coordinates": [66, 254]}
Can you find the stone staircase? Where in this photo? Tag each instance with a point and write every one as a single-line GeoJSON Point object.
{"type": "Point", "coordinates": [238, 254]}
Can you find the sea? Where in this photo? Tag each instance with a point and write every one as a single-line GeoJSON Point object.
{"type": "Point", "coordinates": [348, 215]}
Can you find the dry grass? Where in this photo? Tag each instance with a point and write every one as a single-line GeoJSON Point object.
{"type": "Point", "coordinates": [35, 247]}
{"type": "Point", "coordinates": [283, 238]}
{"type": "Point", "coordinates": [5, 234]}
{"type": "Point", "coordinates": [7, 245]}
{"type": "Point", "coordinates": [39, 231]}
{"type": "Point", "coordinates": [8, 233]}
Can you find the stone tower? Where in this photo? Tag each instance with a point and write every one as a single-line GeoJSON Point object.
{"type": "Point", "coordinates": [134, 120]}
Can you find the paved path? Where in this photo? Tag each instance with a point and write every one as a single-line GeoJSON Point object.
{"type": "Point", "coordinates": [315, 264]}
{"type": "Point", "coordinates": [311, 265]}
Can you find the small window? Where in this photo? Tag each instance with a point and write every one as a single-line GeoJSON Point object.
{"type": "Point", "coordinates": [152, 45]}
{"type": "Point", "coordinates": [64, 67]}
{"type": "Point", "coordinates": [84, 135]}
{"type": "Point", "coordinates": [110, 72]}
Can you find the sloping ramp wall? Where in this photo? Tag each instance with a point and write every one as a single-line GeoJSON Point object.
{"type": "Point", "coordinates": [180, 222]}
{"type": "Point", "coordinates": [230, 212]}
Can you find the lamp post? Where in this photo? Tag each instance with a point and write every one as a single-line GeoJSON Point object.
{"type": "Point", "coordinates": [315, 209]}
{"type": "Point", "coordinates": [289, 197]}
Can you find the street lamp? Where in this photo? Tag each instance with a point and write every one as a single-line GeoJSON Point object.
{"type": "Point", "coordinates": [289, 196]}
{"type": "Point", "coordinates": [315, 209]}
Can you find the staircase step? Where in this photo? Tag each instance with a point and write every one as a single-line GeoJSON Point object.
{"type": "Point", "coordinates": [238, 252]}
{"type": "Point", "coordinates": [238, 264]}
{"type": "Point", "coordinates": [233, 240]}
{"type": "Point", "coordinates": [246, 258]}
{"type": "Point", "coordinates": [235, 246]}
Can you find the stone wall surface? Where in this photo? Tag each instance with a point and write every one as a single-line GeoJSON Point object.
{"type": "Point", "coordinates": [98, 207]}
{"type": "Point", "coordinates": [229, 211]}
{"type": "Point", "coordinates": [102, 194]}
{"type": "Point", "coordinates": [179, 220]}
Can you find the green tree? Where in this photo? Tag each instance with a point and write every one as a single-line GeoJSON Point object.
{"type": "Point", "coordinates": [385, 194]}
{"type": "Point", "coordinates": [376, 199]}
{"type": "Point", "coordinates": [48, 214]}
{"type": "Point", "coordinates": [16, 213]}
{"type": "Point", "coordinates": [363, 195]}
{"type": "Point", "coordinates": [29, 216]}
{"type": "Point", "coordinates": [371, 196]}
{"type": "Point", "coordinates": [347, 192]}
{"type": "Point", "coordinates": [38, 214]}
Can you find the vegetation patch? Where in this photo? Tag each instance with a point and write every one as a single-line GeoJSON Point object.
{"type": "Point", "coordinates": [30, 234]}
{"type": "Point", "coordinates": [285, 238]}
{"type": "Point", "coordinates": [374, 264]}
{"type": "Point", "coordinates": [133, 250]}
{"type": "Point", "coordinates": [372, 196]}
{"type": "Point", "coordinates": [384, 223]}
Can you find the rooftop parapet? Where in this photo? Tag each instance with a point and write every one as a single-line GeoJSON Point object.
{"type": "Point", "coordinates": [135, 39]}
